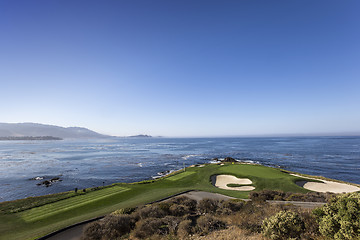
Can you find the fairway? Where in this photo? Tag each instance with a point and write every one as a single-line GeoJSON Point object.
{"type": "Point", "coordinates": [47, 210]}
{"type": "Point", "coordinates": [45, 218]}
{"type": "Point", "coordinates": [179, 176]}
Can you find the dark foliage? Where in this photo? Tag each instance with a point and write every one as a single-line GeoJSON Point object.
{"type": "Point", "coordinates": [181, 217]}
{"type": "Point", "coordinates": [207, 205]}
{"type": "Point", "coordinates": [208, 223]}
{"type": "Point", "coordinates": [117, 226]}
{"type": "Point", "coordinates": [150, 226]}
{"type": "Point", "coordinates": [92, 231]}
{"type": "Point", "coordinates": [288, 196]}
{"type": "Point", "coordinates": [185, 228]}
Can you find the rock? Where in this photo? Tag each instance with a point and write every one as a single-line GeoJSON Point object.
{"type": "Point", "coordinates": [36, 178]}
{"type": "Point", "coordinates": [229, 159]}
{"type": "Point", "coordinates": [55, 179]}
{"type": "Point", "coordinates": [48, 183]}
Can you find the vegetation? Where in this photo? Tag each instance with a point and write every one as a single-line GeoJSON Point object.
{"type": "Point", "coordinates": [212, 219]}
{"type": "Point", "coordinates": [283, 225]}
{"type": "Point", "coordinates": [179, 216]}
{"type": "Point", "coordinates": [34, 217]}
{"type": "Point", "coordinates": [290, 196]}
{"type": "Point", "coordinates": [233, 219]}
{"type": "Point", "coordinates": [340, 218]}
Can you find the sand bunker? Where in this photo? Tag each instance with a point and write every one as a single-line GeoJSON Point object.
{"type": "Point", "coordinates": [221, 181]}
{"type": "Point", "coordinates": [326, 186]}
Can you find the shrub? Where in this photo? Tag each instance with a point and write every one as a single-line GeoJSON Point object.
{"type": "Point", "coordinates": [114, 227]}
{"type": "Point", "coordinates": [150, 226]}
{"type": "Point", "coordinates": [172, 223]}
{"type": "Point", "coordinates": [92, 231]}
{"type": "Point", "coordinates": [207, 223]}
{"type": "Point", "coordinates": [234, 206]}
{"type": "Point", "coordinates": [179, 210]}
{"type": "Point", "coordinates": [251, 216]}
{"type": "Point", "coordinates": [182, 200]}
{"type": "Point", "coordinates": [184, 228]}
{"type": "Point", "coordinates": [123, 211]}
{"type": "Point", "coordinates": [279, 195]}
{"type": "Point", "coordinates": [319, 197]}
{"type": "Point", "coordinates": [152, 211]}
{"type": "Point", "coordinates": [207, 205]}
{"type": "Point", "coordinates": [340, 218]}
{"type": "Point", "coordinates": [311, 226]}
{"type": "Point", "coordinates": [283, 225]}
{"type": "Point", "coordinates": [263, 195]}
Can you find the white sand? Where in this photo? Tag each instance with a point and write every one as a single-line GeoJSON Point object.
{"type": "Point", "coordinates": [326, 186]}
{"type": "Point", "coordinates": [223, 180]}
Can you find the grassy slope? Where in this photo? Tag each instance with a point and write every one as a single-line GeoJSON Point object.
{"type": "Point", "coordinates": [41, 220]}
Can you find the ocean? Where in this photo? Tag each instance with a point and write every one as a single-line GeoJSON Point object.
{"type": "Point", "coordinates": [89, 163]}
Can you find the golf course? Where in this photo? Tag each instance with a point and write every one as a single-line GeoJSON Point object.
{"type": "Point", "coordinates": [35, 217]}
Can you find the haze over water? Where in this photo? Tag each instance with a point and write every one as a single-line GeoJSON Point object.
{"type": "Point", "coordinates": [82, 164]}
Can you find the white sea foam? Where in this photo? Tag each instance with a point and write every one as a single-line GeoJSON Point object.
{"type": "Point", "coordinates": [189, 156]}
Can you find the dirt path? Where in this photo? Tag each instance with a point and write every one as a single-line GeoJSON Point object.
{"type": "Point", "coordinates": [199, 195]}
{"type": "Point", "coordinates": [73, 233]}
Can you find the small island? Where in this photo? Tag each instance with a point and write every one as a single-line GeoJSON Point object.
{"type": "Point", "coordinates": [140, 136]}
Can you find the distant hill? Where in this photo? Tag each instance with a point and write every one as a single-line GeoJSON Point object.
{"type": "Point", "coordinates": [39, 130]}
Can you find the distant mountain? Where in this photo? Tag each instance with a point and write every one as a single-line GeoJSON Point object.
{"type": "Point", "coordinates": [29, 138]}
{"type": "Point", "coordinates": [39, 130]}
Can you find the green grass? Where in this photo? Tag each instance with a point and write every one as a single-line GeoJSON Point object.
{"type": "Point", "coordinates": [179, 176]}
{"type": "Point", "coordinates": [41, 215]}
{"type": "Point", "coordinates": [51, 209]}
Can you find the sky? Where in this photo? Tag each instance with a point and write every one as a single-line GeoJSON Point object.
{"type": "Point", "coordinates": [182, 68]}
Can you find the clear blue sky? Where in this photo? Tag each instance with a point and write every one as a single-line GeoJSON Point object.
{"type": "Point", "coordinates": [182, 68]}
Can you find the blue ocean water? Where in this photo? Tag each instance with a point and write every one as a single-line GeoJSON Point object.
{"type": "Point", "coordinates": [82, 164]}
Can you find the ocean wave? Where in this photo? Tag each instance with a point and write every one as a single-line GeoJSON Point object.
{"type": "Point", "coordinates": [186, 157]}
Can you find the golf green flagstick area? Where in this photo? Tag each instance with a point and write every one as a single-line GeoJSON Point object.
{"type": "Point", "coordinates": [40, 220]}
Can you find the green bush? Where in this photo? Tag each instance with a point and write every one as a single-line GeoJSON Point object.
{"type": "Point", "coordinates": [123, 211]}
{"type": "Point", "coordinates": [283, 225]}
{"type": "Point", "coordinates": [340, 218]}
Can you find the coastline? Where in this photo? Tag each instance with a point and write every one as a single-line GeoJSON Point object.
{"type": "Point", "coordinates": [57, 214]}
{"type": "Point", "coordinates": [89, 163]}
